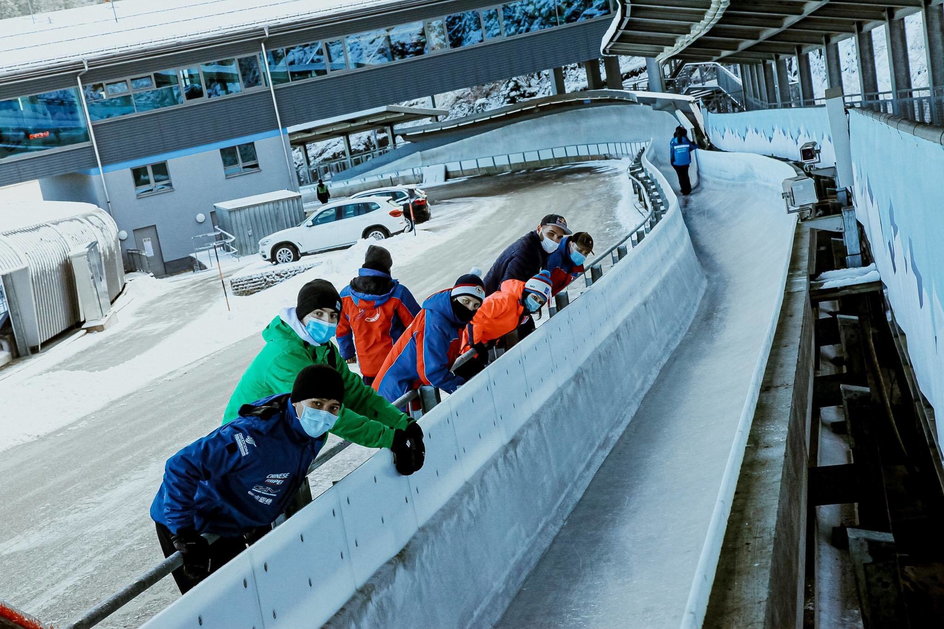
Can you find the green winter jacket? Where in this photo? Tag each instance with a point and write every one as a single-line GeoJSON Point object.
{"type": "Point", "coordinates": [365, 419]}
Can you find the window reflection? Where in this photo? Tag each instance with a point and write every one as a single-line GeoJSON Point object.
{"type": "Point", "coordinates": [464, 29]}
{"type": "Point", "coordinates": [191, 83]}
{"type": "Point", "coordinates": [407, 40]}
{"type": "Point", "coordinates": [277, 67]}
{"type": "Point", "coordinates": [221, 78]}
{"type": "Point", "coordinates": [368, 49]}
{"type": "Point", "coordinates": [491, 23]}
{"type": "Point", "coordinates": [41, 121]}
{"type": "Point", "coordinates": [435, 35]}
{"type": "Point", "coordinates": [305, 61]}
{"type": "Point", "coordinates": [526, 16]}
{"type": "Point", "coordinates": [335, 51]}
{"type": "Point", "coordinates": [578, 10]}
{"type": "Point", "coordinates": [250, 72]}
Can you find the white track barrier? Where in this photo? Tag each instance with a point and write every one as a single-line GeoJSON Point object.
{"type": "Point", "coordinates": [508, 456]}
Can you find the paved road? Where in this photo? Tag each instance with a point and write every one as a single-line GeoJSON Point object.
{"type": "Point", "coordinates": [74, 525]}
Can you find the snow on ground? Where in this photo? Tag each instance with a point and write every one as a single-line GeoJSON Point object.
{"type": "Point", "coordinates": [838, 278]}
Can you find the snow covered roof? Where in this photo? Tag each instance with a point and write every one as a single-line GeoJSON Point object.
{"type": "Point", "coordinates": [93, 32]}
{"type": "Point", "coordinates": [24, 214]}
{"type": "Point", "coordinates": [257, 199]}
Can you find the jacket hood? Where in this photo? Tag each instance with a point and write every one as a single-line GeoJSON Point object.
{"type": "Point", "coordinates": [277, 408]}
{"type": "Point", "coordinates": [371, 285]}
{"type": "Point", "coordinates": [512, 287]}
{"type": "Point", "coordinates": [441, 304]}
{"type": "Point", "coordinates": [286, 329]}
{"type": "Point", "coordinates": [290, 318]}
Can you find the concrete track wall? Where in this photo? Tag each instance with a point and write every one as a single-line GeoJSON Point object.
{"type": "Point", "coordinates": [507, 458]}
{"type": "Point", "coordinates": [778, 132]}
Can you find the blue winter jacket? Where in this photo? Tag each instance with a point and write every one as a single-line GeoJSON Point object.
{"type": "Point", "coordinates": [522, 259]}
{"type": "Point", "coordinates": [425, 352]}
{"type": "Point", "coordinates": [681, 151]}
{"type": "Point", "coordinates": [240, 476]}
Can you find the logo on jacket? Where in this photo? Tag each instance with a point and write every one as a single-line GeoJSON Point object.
{"type": "Point", "coordinates": [372, 319]}
{"type": "Point", "coordinates": [243, 442]}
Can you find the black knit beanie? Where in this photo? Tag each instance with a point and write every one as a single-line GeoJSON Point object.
{"type": "Point", "coordinates": [318, 381]}
{"type": "Point", "coordinates": [317, 294]}
{"type": "Point", "coordinates": [378, 259]}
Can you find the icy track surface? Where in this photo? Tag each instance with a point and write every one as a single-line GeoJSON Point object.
{"type": "Point", "coordinates": [105, 411]}
{"type": "Point", "coordinates": [629, 551]}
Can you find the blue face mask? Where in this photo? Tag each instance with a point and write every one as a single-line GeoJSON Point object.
{"type": "Point", "coordinates": [320, 331]}
{"type": "Point", "coordinates": [577, 257]}
{"type": "Point", "coordinates": [533, 303]}
{"type": "Point", "coordinates": [316, 422]}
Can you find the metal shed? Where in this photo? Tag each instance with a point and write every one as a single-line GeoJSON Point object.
{"type": "Point", "coordinates": [36, 238]}
{"type": "Point", "coordinates": [251, 218]}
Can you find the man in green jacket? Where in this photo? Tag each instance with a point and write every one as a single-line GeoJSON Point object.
{"type": "Point", "coordinates": [301, 336]}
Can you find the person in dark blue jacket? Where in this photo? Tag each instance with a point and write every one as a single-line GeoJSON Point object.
{"type": "Point", "coordinates": [526, 256]}
{"type": "Point", "coordinates": [238, 479]}
{"type": "Point", "coordinates": [425, 353]}
{"type": "Point", "coordinates": [680, 156]}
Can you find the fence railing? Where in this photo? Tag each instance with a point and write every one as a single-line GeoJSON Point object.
{"type": "Point", "coordinates": [650, 196]}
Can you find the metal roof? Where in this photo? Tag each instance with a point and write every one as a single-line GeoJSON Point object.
{"type": "Point", "coordinates": [742, 31]}
{"type": "Point", "coordinates": [358, 121]}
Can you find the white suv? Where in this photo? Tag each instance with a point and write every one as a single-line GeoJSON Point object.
{"type": "Point", "coordinates": [337, 224]}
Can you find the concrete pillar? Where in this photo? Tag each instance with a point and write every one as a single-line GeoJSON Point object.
{"type": "Point", "coordinates": [783, 82]}
{"type": "Point", "coordinates": [594, 78]}
{"type": "Point", "coordinates": [868, 78]}
{"type": "Point", "coordinates": [614, 78]}
{"type": "Point", "coordinates": [746, 92]}
{"type": "Point", "coordinates": [392, 137]}
{"type": "Point", "coordinates": [557, 81]}
{"type": "Point", "coordinates": [770, 83]}
{"type": "Point", "coordinates": [655, 75]}
{"type": "Point", "coordinates": [806, 78]}
{"type": "Point", "coordinates": [898, 65]}
{"type": "Point", "coordinates": [347, 151]}
{"type": "Point", "coordinates": [934, 45]}
{"type": "Point", "coordinates": [308, 176]}
{"type": "Point", "coordinates": [833, 65]}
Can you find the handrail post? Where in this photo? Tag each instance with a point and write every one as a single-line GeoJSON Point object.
{"type": "Point", "coordinates": [561, 300]}
{"type": "Point", "coordinates": [621, 252]}
{"type": "Point", "coordinates": [429, 398]}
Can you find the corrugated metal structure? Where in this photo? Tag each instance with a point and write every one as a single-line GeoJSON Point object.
{"type": "Point", "coordinates": [35, 267]}
{"type": "Point", "coordinates": [251, 218]}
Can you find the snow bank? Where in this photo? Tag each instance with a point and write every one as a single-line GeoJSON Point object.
{"type": "Point", "coordinates": [849, 277]}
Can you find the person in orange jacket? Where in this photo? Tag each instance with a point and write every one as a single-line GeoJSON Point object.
{"type": "Point", "coordinates": [566, 263]}
{"type": "Point", "coordinates": [375, 310]}
{"type": "Point", "coordinates": [503, 311]}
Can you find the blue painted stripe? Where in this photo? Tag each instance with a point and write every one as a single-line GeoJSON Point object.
{"type": "Point", "coordinates": [163, 157]}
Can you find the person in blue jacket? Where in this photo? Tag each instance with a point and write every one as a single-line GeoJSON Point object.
{"type": "Point", "coordinates": [426, 351]}
{"type": "Point", "coordinates": [526, 256]}
{"type": "Point", "coordinates": [237, 480]}
{"type": "Point", "coordinates": [680, 156]}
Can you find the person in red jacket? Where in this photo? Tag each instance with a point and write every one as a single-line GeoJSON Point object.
{"type": "Point", "coordinates": [375, 310]}
{"type": "Point", "coordinates": [503, 311]}
{"type": "Point", "coordinates": [566, 263]}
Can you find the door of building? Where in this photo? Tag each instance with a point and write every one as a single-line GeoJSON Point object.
{"type": "Point", "coordinates": [148, 242]}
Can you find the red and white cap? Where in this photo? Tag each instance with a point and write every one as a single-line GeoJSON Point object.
{"type": "Point", "coordinates": [471, 285]}
{"type": "Point", "coordinates": [540, 284]}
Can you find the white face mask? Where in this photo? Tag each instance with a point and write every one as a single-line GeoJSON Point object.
{"type": "Point", "coordinates": [549, 245]}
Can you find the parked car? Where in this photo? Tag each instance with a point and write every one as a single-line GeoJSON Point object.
{"type": "Point", "coordinates": [333, 225]}
{"type": "Point", "coordinates": [404, 196]}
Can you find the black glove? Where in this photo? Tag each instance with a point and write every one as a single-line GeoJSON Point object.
{"type": "Point", "coordinates": [413, 431]}
{"type": "Point", "coordinates": [195, 551]}
{"type": "Point", "coordinates": [409, 453]}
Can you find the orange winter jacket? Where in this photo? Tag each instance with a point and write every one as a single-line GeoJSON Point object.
{"type": "Point", "coordinates": [501, 312]}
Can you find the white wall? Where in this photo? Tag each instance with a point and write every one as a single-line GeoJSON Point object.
{"type": "Point", "coordinates": [507, 458]}
{"type": "Point", "coordinates": [778, 132]}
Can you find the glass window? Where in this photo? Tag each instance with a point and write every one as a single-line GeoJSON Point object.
{"type": "Point", "coordinates": [142, 83]}
{"type": "Point", "coordinates": [305, 61]}
{"type": "Point", "coordinates": [277, 67]}
{"type": "Point", "coordinates": [156, 99]}
{"type": "Point", "coordinates": [350, 211]}
{"type": "Point", "coordinates": [328, 216]}
{"type": "Point", "coordinates": [368, 49]}
{"type": "Point", "coordinates": [525, 16]}
{"type": "Point", "coordinates": [577, 10]}
{"type": "Point", "coordinates": [335, 52]}
{"type": "Point", "coordinates": [191, 83]}
{"type": "Point", "coordinates": [151, 179]}
{"type": "Point", "coordinates": [165, 78]}
{"type": "Point", "coordinates": [110, 107]}
{"type": "Point", "coordinates": [239, 159]}
{"type": "Point", "coordinates": [250, 72]}
{"type": "Point", "coordinates": [117, 88]}
{"type": "Point", "coordinates": [34, 123]}
{"type": "Point", "coordinates": [464, 29]}
{"type": "Point", "coordinates": [407, 40]}
{"type": "Point", "coordinates": [222, 78]}
{"type": "Point", "coordinates": [435, 35]}
{"type": "Point", "coordinates": [491, 23]}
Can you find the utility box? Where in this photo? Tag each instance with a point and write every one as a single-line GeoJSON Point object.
{"type": "Point", "coordinates": [91, 287]}
{"type": "Point", "coordinates": [799, 193]}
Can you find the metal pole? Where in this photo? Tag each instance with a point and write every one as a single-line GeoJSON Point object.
{"type": "Point", "coordinates": [429, 398]}
{"type": "Point", "coordinates": [91, 132]}
{"type": "Point", "coordinates": [561, 300]}
{"type": "Point", "coordinates": [621, 252]}
{"type": "Point", "coordinates": [595, 273]}
{"type": "Point", "coordinates": [216, 250]}
{"type": "Point", "coordinates": [292, 177]}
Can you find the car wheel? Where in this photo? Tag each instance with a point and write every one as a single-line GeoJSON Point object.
{"type": "Point", "coordinates": [376, 233]}
{"type": "Point", "coordinates": [409, 225]}
{"type": "Point", "coordinates": [284, 252]}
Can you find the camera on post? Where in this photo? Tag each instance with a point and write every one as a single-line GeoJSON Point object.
{"type": "Point", "coordinates": [809, 153]}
